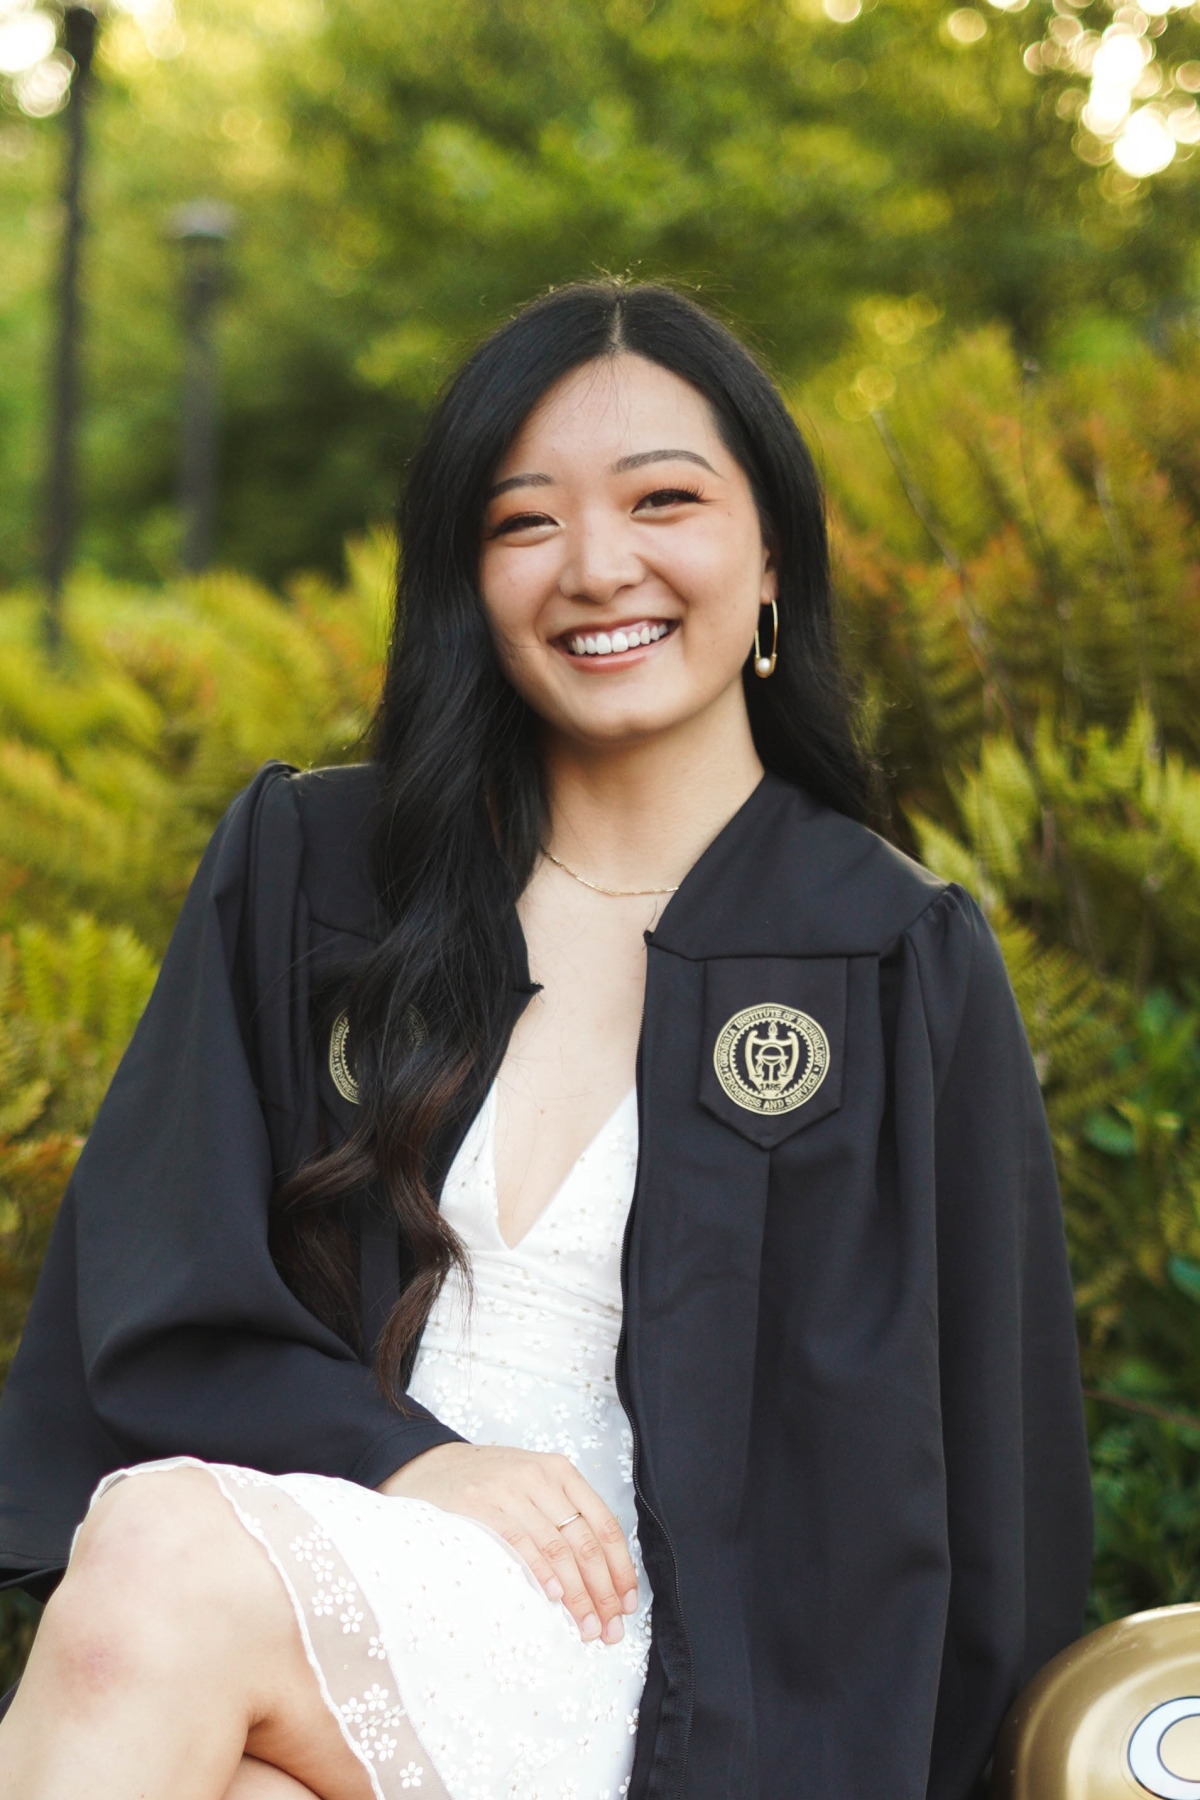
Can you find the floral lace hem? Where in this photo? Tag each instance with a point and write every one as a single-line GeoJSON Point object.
{"type": "Point", "coordinates": [339, 1631]}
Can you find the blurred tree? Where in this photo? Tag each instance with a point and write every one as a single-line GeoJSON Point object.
{"type": "Point", "coordinates": [408, 173]}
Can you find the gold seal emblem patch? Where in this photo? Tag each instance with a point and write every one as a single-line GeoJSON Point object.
{"type": "Point", "coordinates": [339, 1059]}
{"type": "Point", "coordinates": [339, 1065]}
{"type": "Point", "coordinates": [771, 1059]}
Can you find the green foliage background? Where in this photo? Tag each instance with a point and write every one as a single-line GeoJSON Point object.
{"type": "Point", "coordinates": [406, 171]}
{"type": "Point", "coordinates": [992, 348]}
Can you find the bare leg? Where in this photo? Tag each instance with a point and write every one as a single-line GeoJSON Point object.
{"type": "Point", "coordinates": [169, 1652]}
{"type": "Point", "coordinates": [259, 1781]}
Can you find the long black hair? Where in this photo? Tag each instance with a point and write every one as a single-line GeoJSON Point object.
{"type": "Point", "coordinates": [462, 808]}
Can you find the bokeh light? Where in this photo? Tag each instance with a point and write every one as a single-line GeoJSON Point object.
{"type": "Point", "coordinates": [26, 38]}
{"type": "Point", "coordinates": [1120, 58]}
{"type": "Point", "coordinates": [1184, 123]}
{"type": "Point", "coordinates": [1125, 66]}
{"type": "Point", "coordinates": [966, 26]}
{"type": "Point", "coordinates": [1146, 145]}
{"type": "Point", "coordinates": [43, 89]}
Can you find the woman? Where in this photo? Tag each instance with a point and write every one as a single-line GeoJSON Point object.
{"type": "Point", "coordinates": [729, 1111]}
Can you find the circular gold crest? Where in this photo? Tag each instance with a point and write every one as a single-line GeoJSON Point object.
{"type": "Point", "coordinates": [339, 1066]}
{"type": "Point", "coordinates": [771, 1059]}
{"type": "Point", "coordinates": [339, 1061]}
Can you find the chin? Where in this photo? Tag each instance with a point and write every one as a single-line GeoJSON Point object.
{"type": "Point", "coordinates": [633, 727]}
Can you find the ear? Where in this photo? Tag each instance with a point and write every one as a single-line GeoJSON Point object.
{"type": "Point", "coordinates": [769, 589]}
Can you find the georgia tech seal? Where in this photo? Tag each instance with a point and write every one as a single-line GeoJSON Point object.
{"type": "Point", "coordinates": [339, 1062]}
{"type": "Point", "coordinates": [771, 1059]}
{"type": "Point", "coordinates": [339, 1051]}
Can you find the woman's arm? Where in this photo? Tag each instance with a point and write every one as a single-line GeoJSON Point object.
{"type": "Point", "coordinates": [164, 1327]}
{"type": "Point", "coordinates": [191, 1340]}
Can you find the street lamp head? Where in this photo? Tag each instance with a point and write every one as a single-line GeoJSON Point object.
{"type": "Point", "coordinates": [203, 222]}
{"type": "Point", "coordinates": [79, 36]}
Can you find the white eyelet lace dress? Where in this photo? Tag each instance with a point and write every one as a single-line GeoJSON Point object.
{"type": "Point", "coordinates": [450, 1673]}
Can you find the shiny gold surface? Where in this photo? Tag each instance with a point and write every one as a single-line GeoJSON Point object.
{"type": "Point", "coordinates": [1069, 1735]}
{"type": "Point", "coordinates": [339, 1064]}
{"type": "Point", "coordinates": [771, 1058]}
{"type": "Point", "coordinates": [1179, 1748]}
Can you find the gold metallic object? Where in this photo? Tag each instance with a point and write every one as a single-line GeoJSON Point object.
{"type": "Point", "coordinates": [613, 893]}
{"type": "Point", "coordinates": [415, 1031]}
{"type": "Point", "coordinates": [771, 1058]}
{"type": "Point", "coordinates": [570, 1521]}
{"type": "Point", "coordinates": [339, 1067]}
{"type": "Point", "coordinates": [765, 665]}
{"type": "Point", "coordinates": [1115, 1717]}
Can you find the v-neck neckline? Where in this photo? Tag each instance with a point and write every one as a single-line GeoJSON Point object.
{"type": "Point", "coordinates": [488, 1158]}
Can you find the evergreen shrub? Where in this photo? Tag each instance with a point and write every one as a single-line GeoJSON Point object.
{"type": "Point", "coordinates": [1019, 561]}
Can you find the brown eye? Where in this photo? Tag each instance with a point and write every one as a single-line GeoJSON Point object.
{"type": "Point", "coordinates": [520, 522]}
{"type": "Point", "coordinates": [669, 497]}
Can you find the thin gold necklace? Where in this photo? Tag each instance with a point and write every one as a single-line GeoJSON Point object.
{"type": "Point", "coordinates": [613, 893]}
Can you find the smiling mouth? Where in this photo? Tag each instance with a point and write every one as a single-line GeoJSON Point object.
{"type": "Point", "coordinates": [621, 638]}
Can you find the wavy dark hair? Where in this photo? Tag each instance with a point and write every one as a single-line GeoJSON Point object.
{"type": "Point", "coordinates": [462, 807]}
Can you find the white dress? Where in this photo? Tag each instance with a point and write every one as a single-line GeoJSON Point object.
{"type": "Point", "coordinates": [450, 1673]}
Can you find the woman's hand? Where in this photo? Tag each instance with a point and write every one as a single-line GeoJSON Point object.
{"type": "Point", "coordinates": [544, 1509]}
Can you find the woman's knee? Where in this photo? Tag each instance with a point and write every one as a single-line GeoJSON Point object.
{"type": "Point", "coordinates": [160, 1523]}
{"type": "Point", "coordinates": [158, 1539]}
{"type": "Point", "coordinates": [158, 1567]}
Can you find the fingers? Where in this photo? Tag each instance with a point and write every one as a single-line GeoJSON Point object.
{"type": "Point", "coordinates": [611, 1539]}
{"type": "Point", "coordinates": [578, 1559]}
{"type": "Point", "coordinates": [594, 1579]}
{"type": "Point", "coordinates": [596, 1592]}
{"type": "Point", "coordinates": [604, 1584]}
{"type": "Point", "coordinates": [547, 1513]}
{"type": "Point", "coordinates": [570, 1566]}
{"type": "Point", "coordinates": [527, 1538]}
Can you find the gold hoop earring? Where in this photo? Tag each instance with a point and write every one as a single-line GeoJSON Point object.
{"type": "Point", "coordinates": [765, 665]}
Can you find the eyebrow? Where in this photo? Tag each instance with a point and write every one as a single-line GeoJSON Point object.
{"type": "Point", "coordinates": [643, 457]}
{"type": "Point", "coordinates": [620, 467]}
{"type": "Point", "coordinates": [516, 481]}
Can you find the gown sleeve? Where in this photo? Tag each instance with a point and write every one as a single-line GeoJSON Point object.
{"type": "Point", "coordinates": [189, 1341]}
{"type": "Point", "coordinates": [1018, 1497]}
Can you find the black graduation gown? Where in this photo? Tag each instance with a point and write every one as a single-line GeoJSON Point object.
{"type": "Point", "coordinates": [848, 1354]}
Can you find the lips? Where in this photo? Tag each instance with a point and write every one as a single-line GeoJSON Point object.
{"type": "Point", "coordinates": [617, 640]}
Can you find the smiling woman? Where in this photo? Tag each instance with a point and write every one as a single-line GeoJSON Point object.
{"type": "Point", "coordinates": [566, 1294]}
{"type": "Point", "coordinates": [621, 546]}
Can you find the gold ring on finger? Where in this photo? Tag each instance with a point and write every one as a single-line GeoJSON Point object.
{"type": "Point", "coordinates": [570, 1521]}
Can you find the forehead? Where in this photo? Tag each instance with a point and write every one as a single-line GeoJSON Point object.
{"type": "Point", "coordinates": [611, 408]}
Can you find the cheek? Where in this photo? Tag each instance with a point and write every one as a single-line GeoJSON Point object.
{"type": "Point", "coordinates": [519, 580]}
{"type": "Point", "coordinates": [513, 588]}
{"type": "Point", "coordinates": [719, 575]}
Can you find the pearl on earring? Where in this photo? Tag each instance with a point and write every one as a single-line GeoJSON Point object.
{"type": "Point", "coordinates": [765, 665]}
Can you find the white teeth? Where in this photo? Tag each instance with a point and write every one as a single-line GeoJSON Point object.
{"type": "Point", "coordinates": [606, 643]}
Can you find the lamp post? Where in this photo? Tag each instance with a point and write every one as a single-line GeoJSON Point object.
{"type": "Point", "coordinates": [79, 41]}
{"type": "Point", "coordinates": [203, 228]}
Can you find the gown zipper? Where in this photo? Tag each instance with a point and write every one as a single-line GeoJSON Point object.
{"type": "Point", "coordinates": [623, 1395]}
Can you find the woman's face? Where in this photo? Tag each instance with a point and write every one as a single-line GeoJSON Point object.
{"type": "Point", "coordinates": [623, 564]}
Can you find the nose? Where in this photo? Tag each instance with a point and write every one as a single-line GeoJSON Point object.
{"type": "Point", "coordinates": [601, 560]}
